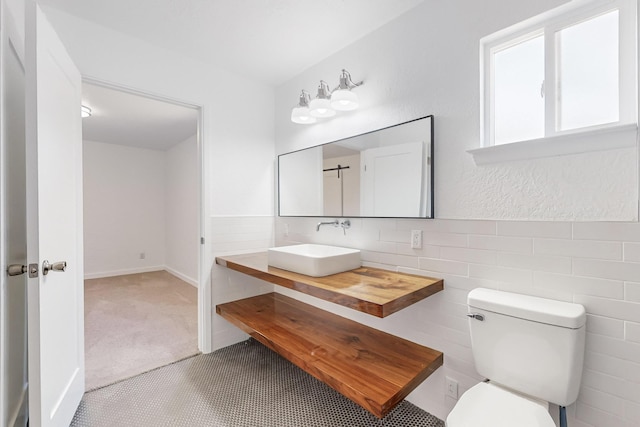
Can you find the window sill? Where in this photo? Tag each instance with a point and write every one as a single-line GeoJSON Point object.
{"type": "Point", "coordinates": [606, 138]}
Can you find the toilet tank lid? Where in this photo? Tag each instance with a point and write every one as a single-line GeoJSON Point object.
{"type": "Point", "coordinates": [543, 310]}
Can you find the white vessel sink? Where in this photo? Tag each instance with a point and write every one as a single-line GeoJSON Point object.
{"type": "Point", "coordinates": [314, 260]}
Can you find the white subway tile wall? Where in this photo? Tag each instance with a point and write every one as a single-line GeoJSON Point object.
{"type": "Point", "coordinates": [596, 264]}
{"type": "Point", "coordinates": [632, 291]}
{"type": "Point", "coordinates": [235, 235]}
{"type": "Point", "coordinates": [632, 252]}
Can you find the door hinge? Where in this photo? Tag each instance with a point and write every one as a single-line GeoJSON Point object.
{"type": "Point", "coordinates": [202, 240]}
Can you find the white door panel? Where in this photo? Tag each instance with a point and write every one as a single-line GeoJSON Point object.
{"type": "Point", "coordinates": [54, 182]}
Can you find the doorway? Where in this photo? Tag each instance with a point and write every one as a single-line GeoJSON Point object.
{"type": "Point", "coordinates": [142, 228]}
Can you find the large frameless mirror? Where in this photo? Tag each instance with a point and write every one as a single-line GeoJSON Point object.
{"type": "Point", "coordinates": [386, 173]}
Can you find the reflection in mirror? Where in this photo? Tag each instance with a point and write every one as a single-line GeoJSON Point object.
{"type": "Point", "coordinates": [387, 173]}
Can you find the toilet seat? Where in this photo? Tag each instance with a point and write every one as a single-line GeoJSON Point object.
{"type": "Point", "coordinates": [489, 405]}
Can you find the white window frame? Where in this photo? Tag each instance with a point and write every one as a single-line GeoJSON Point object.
{"type": "Point", "coordinates": [619, 134]}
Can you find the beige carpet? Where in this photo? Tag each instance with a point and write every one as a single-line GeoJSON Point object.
{"type": "Point", "coordinates": [135, 323]}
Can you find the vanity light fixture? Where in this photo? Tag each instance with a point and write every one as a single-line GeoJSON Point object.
{"type": "Point", "coordinates": [85, 111]}
{"type": "Point", "coordinates": [327, 101]}
{"type": "Point", "coordinates": [342, 98]}
{"type": "Point", "coordinates": [300, 113]}
{"type": "Point", "coordinates": [321, 105]}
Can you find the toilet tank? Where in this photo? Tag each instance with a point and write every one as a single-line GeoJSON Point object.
{"type": "Point", "coordinates": [530, 344]}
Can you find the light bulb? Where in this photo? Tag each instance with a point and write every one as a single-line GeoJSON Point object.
{"type": "Point", "coordinates": [321, 107]}
{"type": "Point", "coordinates": [301, 115]}
{"type": "Point", "coordinates": [344, 100]}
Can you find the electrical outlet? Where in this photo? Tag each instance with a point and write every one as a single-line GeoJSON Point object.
{"type": "Point", "coordinates": [142, 255]}
{"type": "Point", "coordinates": [416, 239]}
{"type": "Point", "coordinates": [451, 387]}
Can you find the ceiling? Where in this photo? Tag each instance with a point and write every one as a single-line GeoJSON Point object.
{"type": "Point", "coordinates": [124, 118]}
{"type": "Point", "coordinates": [267, 40]}
{"type": "Point", "coordinates": [270, 41]}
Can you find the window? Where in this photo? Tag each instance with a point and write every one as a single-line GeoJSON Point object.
{"type": "Point", "coordinates": [588, 72]}
{"type": "Point", "coordinates": [570, 70]}
{"type": "Point", "coordinates": [518, 103]}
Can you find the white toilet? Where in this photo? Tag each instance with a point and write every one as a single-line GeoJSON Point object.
{"type": "Point", "coordinates": [531, 351]}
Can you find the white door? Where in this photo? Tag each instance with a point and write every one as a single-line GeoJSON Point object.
{"type": "Point", "coordinates": [391, 180]}
{"type": "Point", "coordinates": [54, 226]}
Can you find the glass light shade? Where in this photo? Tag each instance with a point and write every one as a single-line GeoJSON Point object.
{"type": "Point", "coordinates": [321, 107]}
{"type": "Point", "coordinates": [302, 115]}
{"type": "Point", "coordinates": [344, 100]}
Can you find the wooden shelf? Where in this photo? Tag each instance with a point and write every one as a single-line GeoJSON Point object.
{"type": "Point", "coordinates": [374, 369]}
{"type": "Point", "coordinates": [370, 290]}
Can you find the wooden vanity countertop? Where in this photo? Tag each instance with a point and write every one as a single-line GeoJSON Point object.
{"type": "Point", "coordinates": [370, 290]}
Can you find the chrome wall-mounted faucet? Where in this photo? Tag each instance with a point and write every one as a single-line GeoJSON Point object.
{"type": "Point", "coordinates": [335, 223]}
{"type": "Point", "coordinates": [344, 224]}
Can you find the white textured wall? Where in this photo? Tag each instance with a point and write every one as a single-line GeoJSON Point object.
{"type": "Point", "coordinates": [124, 209]}
{"type": "Point", "coordinates": [182, 226]}
{"type": "Point", "coordinates": [426, 62]}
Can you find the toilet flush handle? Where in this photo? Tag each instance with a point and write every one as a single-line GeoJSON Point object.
{"type": "Point", "coordinates": [476, 316]}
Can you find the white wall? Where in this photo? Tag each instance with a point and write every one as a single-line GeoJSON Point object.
{"type": "Point", "coordinates": [182, 226]}
{"type": "Point", "coordinates": [137, 201]}
{"type": "Point", "coordinates": [124, 209]}
{"type": "Point", "coordinates": [489, 231]}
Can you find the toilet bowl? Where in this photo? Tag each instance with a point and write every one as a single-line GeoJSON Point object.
{"type": "Point", "coordinates": [531, 351]}
{"type": "Point", "coordinates": [490, 405]}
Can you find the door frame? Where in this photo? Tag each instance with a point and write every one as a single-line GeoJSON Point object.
{"type": "Point", "coordinates": [13, 411]}
{"type": "Point", "coordinates": [204, 285]}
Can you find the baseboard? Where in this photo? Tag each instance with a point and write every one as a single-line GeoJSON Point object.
{"type": "Point", "coordinates": [181, 276]}
{"type": "Point", "coordinates": [169, 270]}
{"type": "Point", "coordinates": [123, 272]}
{"type": "Point", "coordinates": [20, 414]}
